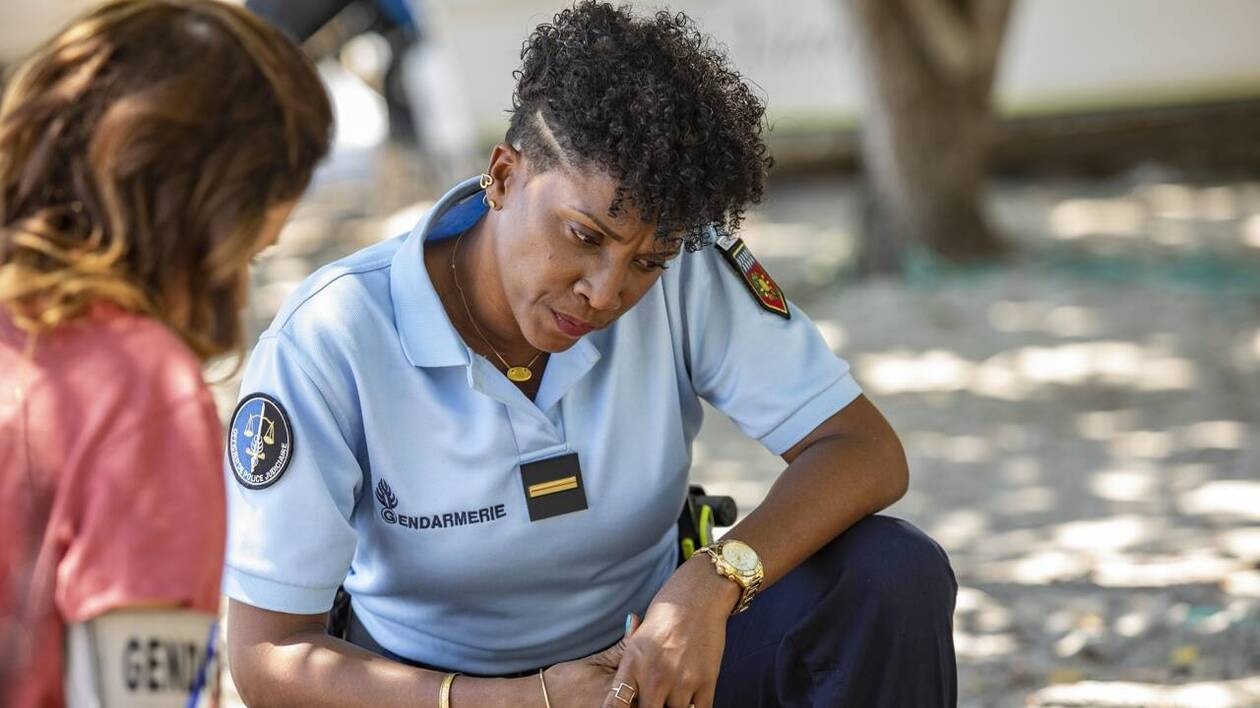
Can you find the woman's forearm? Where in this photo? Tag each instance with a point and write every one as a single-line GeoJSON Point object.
{"type": "Point", "coordinates": [310, 668]}
{"type": "Point", "coordinates": [831, 485]}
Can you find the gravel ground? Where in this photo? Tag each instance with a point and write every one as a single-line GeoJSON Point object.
{"type": "Point", "coordinates": [1081, 427]}
{"type": "Point", "coordinates": [1081, 424]}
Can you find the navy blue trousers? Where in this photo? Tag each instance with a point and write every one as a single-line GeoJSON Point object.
{"type": "Point", "coordinates": [866, 621]}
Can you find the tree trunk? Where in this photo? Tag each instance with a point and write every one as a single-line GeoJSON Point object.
{"type": "Point", "coordinates": [928, 130]}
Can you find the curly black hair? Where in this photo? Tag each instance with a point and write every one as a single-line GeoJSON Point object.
{"type": "Point", "coordinates": [651, 101]}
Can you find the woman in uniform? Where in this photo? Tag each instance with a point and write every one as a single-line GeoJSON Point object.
{"type": "Point", "coordinates": [482, 429]}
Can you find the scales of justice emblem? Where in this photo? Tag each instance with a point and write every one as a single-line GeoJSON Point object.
{"type": "Point", "coordinates": [261, 444]}
{"type": "Point", "coordinates": [263, 431]}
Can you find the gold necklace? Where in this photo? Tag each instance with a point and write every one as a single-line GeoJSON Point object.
{"type": "Point", "coordinates": [518, 374]}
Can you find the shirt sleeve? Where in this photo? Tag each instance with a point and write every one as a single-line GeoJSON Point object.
{"type": "Point", "coordinates": [150, 523]}
{"type": "Point", "coordinates": [775, 377]}
{"type": "Point", "coordinates": [290, 543]}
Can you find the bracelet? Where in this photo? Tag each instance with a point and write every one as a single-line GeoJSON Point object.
{"type": "Point", "coordinates": [444, 693]}
{"type": "Point", "coordinates": [543, 681]}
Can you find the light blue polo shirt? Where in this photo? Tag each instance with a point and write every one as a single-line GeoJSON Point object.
{"type": "Point", "coordinates": [401, 448]}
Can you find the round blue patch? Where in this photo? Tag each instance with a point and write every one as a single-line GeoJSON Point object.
{"type": "Point", "coordinates": [260, 445]}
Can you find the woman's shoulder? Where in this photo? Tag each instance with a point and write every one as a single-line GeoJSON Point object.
{"type": "Point", "coordinates": [106, 371]}
{"type": "Point", "coordinates": [338, 295]}
{"type": "Point", "coordinates": [115, 332]}
{"type": "Point", "coordinates": [110, 348]}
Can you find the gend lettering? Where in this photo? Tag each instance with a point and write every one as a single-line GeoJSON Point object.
{"type": "Point", "coordinates": [160, 664]}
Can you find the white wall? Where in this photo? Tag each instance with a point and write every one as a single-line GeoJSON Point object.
{"type": "Point", "coordinates": [26, 23]}
{"type": "Point", "coordinates": [1130, 51]}
{"type": "Point", "coordinates": [1061, 55]}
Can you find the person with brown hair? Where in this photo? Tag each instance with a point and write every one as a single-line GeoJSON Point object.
{"type": "Point", "coordinates": [147, 153]}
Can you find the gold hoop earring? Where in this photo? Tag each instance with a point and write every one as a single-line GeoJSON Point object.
{"type": "Point", "coordinates": [486, 180]}
{"type": "Point", "coordinates": [490, 203]}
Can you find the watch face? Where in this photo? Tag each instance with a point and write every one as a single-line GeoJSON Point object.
{"type": "Point", "coordinates": [741, 556]}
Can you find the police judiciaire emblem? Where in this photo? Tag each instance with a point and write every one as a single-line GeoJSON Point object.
{"type": "Point", "coordinates": [765, 291]}
{"type": "Point", "coordinates": [260, 444]}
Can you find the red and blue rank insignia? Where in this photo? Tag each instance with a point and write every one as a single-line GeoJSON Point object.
{"type": "Point", "coordinates": [765, 291]}
{"type": "Point", "coordinates": [260, 443]}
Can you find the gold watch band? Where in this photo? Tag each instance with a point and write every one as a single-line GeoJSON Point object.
{"type": "Point", "coordinates": [747, 591]}
{"type": "Point", "coordinates": [746, 599]}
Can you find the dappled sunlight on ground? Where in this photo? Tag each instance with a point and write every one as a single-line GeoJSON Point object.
{"type": "Point", "coordinates": [1077, 218]}
{"type": "Point", "coordinates": [1062, 320]}
{"type": "Point", "coordinates": [1251, 231]}
{"type": "Point", "coordinates": [1197, 694]}
{"type": "Point", "coordinates": [1013, 374]}
{"type": "Point", "coordinates": [1169, 215]}
{"type": "Point", "coordinates": [1236, 498]}
{"type": "Point", "coordinates": [1084, 440]}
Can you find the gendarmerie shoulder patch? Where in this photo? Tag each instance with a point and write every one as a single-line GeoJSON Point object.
{"type": "Point", "coordinates": [767, 292]}
{"type": "Point", "coordinates": [260, 443]}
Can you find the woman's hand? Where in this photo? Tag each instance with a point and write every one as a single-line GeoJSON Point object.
{"type": "Point", "coordinates": [672, 658]}
{"type": "Point", "coordinates": [582, 683]}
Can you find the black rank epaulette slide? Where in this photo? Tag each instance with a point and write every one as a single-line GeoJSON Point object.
{"type": "Point", "coordinates": [765, 291]}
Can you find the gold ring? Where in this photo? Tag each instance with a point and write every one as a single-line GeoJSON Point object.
{"type": "Point", "coordinates": [617, 693]}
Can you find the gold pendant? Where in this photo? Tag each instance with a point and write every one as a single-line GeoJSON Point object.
{"type": "Point", "coordinates": [520, 374]}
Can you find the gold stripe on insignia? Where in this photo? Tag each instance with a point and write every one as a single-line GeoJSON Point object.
{"type": "Point", "coordinates": [542, 489]}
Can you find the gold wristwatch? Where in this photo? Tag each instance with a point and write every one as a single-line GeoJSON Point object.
{"type": "Point", "coordinates": [737, 561]}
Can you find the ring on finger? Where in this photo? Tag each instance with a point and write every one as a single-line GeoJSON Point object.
{"type": "Point", "coordinates": [627, 689]}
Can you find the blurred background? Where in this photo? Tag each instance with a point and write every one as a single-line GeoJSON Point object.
{"type": "Point", "coordinates": [1032, 226]}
